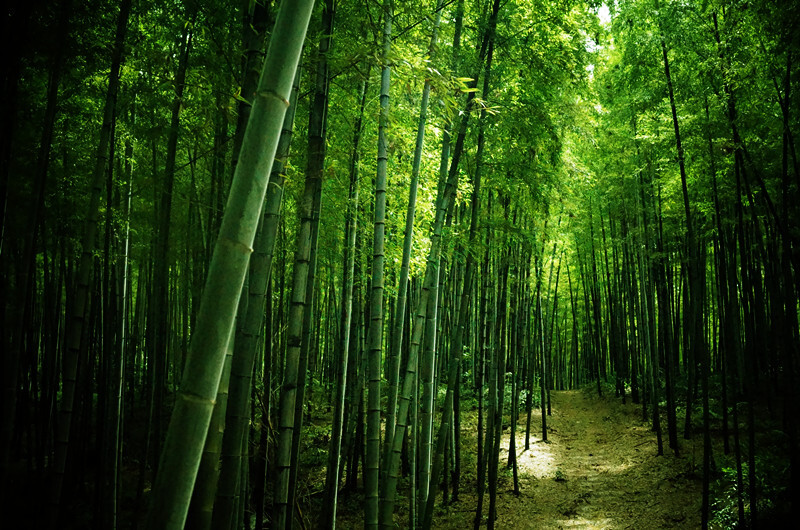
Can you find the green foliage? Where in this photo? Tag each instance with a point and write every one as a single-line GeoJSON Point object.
{"type": "Point", "coordinates": [772, 475]}
{"type": "Point", "coordinates": [315, 444]}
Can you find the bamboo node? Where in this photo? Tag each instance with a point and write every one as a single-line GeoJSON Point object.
{"type": "Point", "coordinates": [235, 244]}
{"type": "Point", "coordinates": [271, 94]}
{"type": "Point", "coordinates": [196, 398]}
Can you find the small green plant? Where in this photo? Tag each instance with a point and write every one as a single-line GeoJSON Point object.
{"type": "Point", "coordinates": [724, 507]}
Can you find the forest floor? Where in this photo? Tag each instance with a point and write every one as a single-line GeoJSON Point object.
{"type": "Point", "coordinates": [597, 470]}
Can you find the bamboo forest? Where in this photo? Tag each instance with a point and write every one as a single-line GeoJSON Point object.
{"type": "Point", "coordinates": [388, 264]}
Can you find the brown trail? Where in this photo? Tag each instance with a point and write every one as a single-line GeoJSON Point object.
{"type": "Point", "coordinates": [599, 470]}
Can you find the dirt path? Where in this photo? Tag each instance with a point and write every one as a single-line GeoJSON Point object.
{"type": "Point", "coordinates": [598, 470]}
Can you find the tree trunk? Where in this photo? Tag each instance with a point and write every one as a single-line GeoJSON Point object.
{"type": "Point", "coordinates": [161, 264]}
{"type": "Point", "coordinates": [194, 402]}
{"type": "Point", "coordinates": [375, 334]}
{"type": "Point", "coordinates": [237, 414]}
{"type": "Point", "coordinates": [328, 518]}
{"type": "Point", "coordinates": [693, 313]}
